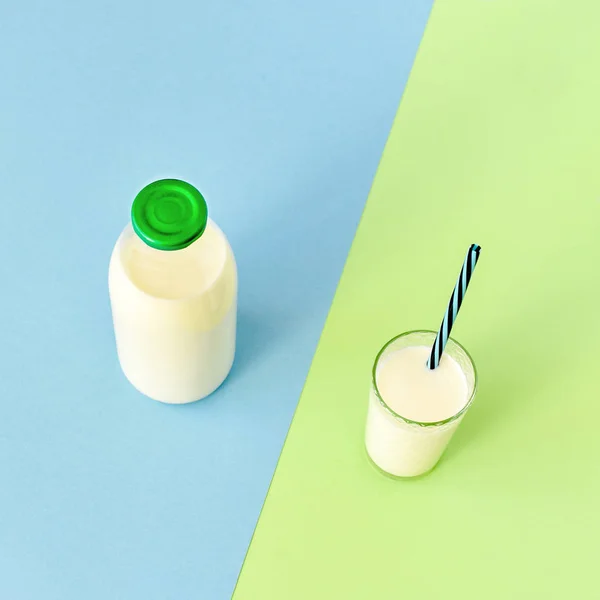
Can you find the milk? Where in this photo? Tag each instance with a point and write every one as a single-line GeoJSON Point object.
{"type": "Point", "coordinates": [174, 314]}
{"type": "Point", "coordinates": [428, 404]}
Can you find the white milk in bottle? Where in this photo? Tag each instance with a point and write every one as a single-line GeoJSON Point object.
{"type": "Point", "coordinates": [173, 292]}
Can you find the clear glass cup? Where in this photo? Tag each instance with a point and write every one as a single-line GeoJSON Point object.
{"type": "Point", "coordinates": [399, 446]}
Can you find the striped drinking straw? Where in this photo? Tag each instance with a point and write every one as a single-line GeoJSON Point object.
{"type": "Point", "coordinates": [460, 289]}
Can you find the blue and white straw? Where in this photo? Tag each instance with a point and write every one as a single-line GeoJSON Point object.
{"type": "Point", "coordinates": [460, 289]}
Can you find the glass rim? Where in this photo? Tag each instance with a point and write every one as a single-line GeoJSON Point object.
{"type": "Point", "coordinates": [393, 413]}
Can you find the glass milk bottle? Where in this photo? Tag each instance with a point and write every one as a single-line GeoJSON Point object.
{"type": "Point", "coordinates": [173, 292]}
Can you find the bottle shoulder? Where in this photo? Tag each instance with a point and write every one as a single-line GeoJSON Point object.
{"type": "Point", "coordinates": [206, 267]}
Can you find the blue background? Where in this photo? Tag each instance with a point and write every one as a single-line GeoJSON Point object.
{"type": "Point", "coordinates": [278, 112]}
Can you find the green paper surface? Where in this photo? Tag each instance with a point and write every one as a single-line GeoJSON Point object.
{"type": "Point", "coordinates": [497, 142]}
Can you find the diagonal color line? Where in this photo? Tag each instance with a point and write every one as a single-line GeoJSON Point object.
{"type": "Point", "coordinates": [482, 140]}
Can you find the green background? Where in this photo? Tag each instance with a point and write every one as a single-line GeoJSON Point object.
{"type": "Point", "coordinates": [497, 142]}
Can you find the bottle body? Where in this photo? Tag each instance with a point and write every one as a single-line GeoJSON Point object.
{"type": "Point", "coordinates": [174, 315]}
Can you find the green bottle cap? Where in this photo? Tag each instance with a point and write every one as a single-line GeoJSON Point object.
{"type": "Point", "coordinates": [169, 214]}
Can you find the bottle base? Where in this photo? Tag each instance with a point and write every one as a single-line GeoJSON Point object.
{"type": "Point", "coordinates": [183, 399]}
